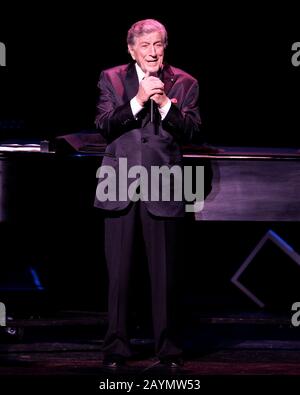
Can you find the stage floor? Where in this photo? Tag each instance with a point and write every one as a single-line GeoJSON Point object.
{"type": "Point", "coordinates": [68, 343]}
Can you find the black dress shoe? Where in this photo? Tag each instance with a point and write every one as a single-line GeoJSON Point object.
{"type": "Point", "coordinates": [172, 362]}
{"type": "Point", "coordinates": [114, 361]}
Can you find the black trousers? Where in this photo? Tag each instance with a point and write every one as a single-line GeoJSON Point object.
{"type": "Point", "coordinates": [161, 241]}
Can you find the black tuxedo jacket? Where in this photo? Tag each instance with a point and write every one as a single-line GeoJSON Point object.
{"type": "Point", "coordinates": [136, 138]}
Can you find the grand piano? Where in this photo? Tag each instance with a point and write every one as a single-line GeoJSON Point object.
{"type": "Point", "coordinates": [241, 183]}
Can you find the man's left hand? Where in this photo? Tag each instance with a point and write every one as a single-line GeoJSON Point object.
{"type": "Point", "coordinates": [161, 99]}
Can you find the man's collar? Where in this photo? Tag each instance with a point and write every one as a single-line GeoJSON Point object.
{"type": "Point", "coordinates": [140, 72]}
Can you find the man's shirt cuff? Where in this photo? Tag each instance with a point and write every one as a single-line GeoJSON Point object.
{"type": "Point", "coordinates": [165, 109]}
{"type": "Point", "coordinates": [135, 106]}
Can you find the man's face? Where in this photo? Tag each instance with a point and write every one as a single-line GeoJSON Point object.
{"type": "Point", "coordinates": [148, 51]}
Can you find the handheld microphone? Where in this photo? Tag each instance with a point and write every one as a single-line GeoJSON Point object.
{"type": "Point", "coordinates": [151, 110]}
{"type": "Point", "coordinates": [152, 104]}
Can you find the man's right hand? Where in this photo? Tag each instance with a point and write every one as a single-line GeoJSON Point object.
{"type": "Point", "coordinates": [148, 87]}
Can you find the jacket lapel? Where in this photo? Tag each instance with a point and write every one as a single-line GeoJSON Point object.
{"type": "Point", "coordinates": [131, 81]}
{"type": "Point", "coordinates": [168, 78]}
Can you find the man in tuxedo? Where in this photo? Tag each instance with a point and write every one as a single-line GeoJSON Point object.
{"type": "Point", "coordinates": [146, 111]}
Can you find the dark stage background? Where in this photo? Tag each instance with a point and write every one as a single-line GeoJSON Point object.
{"type": "Point", "coordinates": [241, 56]}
